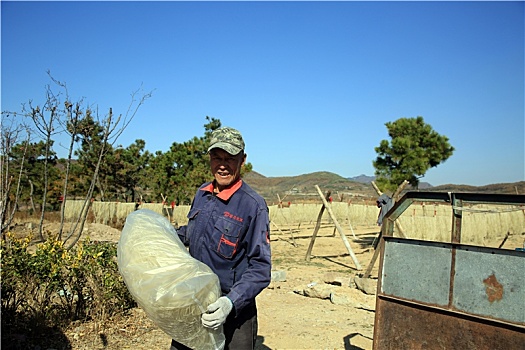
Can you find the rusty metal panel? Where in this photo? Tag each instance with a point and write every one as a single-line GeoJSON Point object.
{"type": "Point", "coordinates": [490, 283]}
{"type": "Point", "coordinates": [435, 295]}
{"type": "Point", "coordinates": [416, 270]}
{"type": "Point", "coordinates": [447, 295]}
{"type": "Point", "coordinates": [407, 326]}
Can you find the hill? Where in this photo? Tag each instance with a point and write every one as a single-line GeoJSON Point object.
{"type": "Point", "coordinates": [362, 178]}
{"type": "Point", "coordinates": [500, 188]}
{"type": "Point", "coordinates": [368, 179]}
{"type": "Point", "coordinates": [302, 187]}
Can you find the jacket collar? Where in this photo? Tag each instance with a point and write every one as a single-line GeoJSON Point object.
{"type": "Point", "coordinates": [227, 192]}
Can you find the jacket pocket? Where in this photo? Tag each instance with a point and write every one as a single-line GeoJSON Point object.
{"type": "Point", "coordinates": [226, 237]}
{"type": "Point", "coordinates": [192, 215]}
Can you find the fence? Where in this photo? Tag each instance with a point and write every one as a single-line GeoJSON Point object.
{"type": "Point", "coordinates": [427, 221]}
{"type": "Point", "coordinates": [481, 222]}
{"type": "Point", "coordinates": [116, 212]}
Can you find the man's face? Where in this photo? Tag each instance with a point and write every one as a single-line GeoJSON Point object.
{"type": "Point", "coordinates": [226, 169]}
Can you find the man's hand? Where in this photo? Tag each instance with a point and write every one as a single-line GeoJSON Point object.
{"type": "Point", "coordinates": [216, 313]}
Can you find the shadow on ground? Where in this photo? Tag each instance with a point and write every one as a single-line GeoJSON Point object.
{"type": "Point", "coordinates": [259, 344]}
{"type": "Point", "coordinates": [18, 334]}
{"type": "Point", "coordinates": [348, 342]}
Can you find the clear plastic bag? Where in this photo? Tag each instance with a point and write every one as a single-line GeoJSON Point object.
{"type": "Point", "coordinates": [173, 288]}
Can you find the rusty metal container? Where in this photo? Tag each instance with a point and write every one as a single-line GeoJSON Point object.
{"type": "Point", "coordinates": [448, 295]}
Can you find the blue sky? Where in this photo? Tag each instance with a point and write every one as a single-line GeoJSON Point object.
{"type": "Point", "coordinates": [309, 84]}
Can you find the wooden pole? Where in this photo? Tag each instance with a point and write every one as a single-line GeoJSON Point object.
{"type": "Point", "coordinates": [400, 189]}
{"type": "Point", "coordinates": [291, 233]}
{"type": "Point", "coordinates": [376, 188]}
{"type": "Point", "coordinates": [395, 197]}
{"type": "Point", "coordinates": [374, 258]}
{"type": "Point", "coordinates": [334, 219]}
{"type": "Point", "coordinates": [504, 239]}
{"type": "Point", "coordinates": [316, 229]}
{"type": "Point", "coordinates": [164, 202]}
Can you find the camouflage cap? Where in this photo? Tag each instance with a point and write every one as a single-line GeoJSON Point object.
{"type": "Point", "coordinates": [228, 139]}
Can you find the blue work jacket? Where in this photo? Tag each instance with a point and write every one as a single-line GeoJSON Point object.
{"type": "Point", "coordinates": [229, 232]}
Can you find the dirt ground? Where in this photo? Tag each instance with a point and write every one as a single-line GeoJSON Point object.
{"type": "Point", "coordinates": [308, 305]}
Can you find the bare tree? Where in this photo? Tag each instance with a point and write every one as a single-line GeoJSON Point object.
{"type": "Point", "coordinates": [70, 125]}
{"type": "Point", "coordinates": [58, 117]}
{"type": "Point", "coordinates": [73, 118]}
{"type": "Point", "coordinates": [113, 127]}
{"type": "Point", "coordinates": [45, 120]}
{"type": "Point", "coordinates": [10, 135]}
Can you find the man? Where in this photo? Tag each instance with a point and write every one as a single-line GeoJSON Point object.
{"type": "Point", "coordinates": [228, 230]}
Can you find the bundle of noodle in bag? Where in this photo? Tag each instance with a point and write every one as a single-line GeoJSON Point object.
{"type": "Point", "coordinates": [172, 288]}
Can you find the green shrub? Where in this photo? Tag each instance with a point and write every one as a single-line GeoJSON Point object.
{"type": "Point", "coordinates": [53, 286]}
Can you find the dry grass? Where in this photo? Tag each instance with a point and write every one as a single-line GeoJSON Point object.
{"type": "Point", "coordinates": [480, 223]}
{"type": "Point", "coordinates": [432, 222]}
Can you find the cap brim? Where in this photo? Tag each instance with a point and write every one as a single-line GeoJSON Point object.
{"type": "Point", "coordinates": [226, 147]}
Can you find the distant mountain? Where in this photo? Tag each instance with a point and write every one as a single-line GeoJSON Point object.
{"type": "Point", "coordinates": [500, 188]}
{"type": "Point", "coordinates": [362, 178]}
{"type": "Point", "coordinates": [302, 187]}
{"type": "Point", "coordinates": [368, 179]}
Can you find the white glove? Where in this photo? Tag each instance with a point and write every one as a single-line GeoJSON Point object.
{"type": "Point", "coordinates": [216, 313]}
